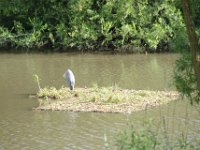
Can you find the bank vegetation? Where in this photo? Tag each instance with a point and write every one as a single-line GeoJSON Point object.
{"type": "Point", "coordinates": [62, 25]}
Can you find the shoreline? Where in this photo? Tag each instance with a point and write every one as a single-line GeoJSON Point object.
{"type": "Point", "coordinates": [105, 99]}
{"type": "Point", "coordinates": [125, 49]}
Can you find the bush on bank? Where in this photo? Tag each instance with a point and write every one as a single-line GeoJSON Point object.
{"type": "Point", "coordinates": [113, 25]}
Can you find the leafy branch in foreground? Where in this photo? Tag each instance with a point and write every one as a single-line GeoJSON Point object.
{"type": "Point", "coordinates": [152, 137]}
{"type": "Point", "coordinates": [185, 79]}
{"type": "Point", "coordinates": [131, 139]}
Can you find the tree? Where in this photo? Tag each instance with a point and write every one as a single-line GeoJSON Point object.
{"type": "Point", "coordinates": [194, 48]}
{"type": "Point", "coordinates": [187, 71]}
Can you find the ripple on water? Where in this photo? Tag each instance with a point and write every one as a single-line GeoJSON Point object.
{"type": "Point", "coordinates": [69, 130]}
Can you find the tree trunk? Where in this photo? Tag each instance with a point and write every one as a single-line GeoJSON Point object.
{"type": "Point", "coordinates": [194, 49]}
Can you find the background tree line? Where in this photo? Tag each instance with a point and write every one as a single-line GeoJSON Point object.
{"type": "Point", "coordinates": [125, 25]}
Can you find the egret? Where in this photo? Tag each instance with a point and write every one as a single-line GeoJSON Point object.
{"type": "Point", "coordinates": [70, 79]}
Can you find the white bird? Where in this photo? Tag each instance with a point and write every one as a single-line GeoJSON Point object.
{"type": "Point", "coordinates": [70, 79]}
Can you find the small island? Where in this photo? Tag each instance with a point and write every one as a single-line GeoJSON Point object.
{"type": "Point", "coordinates": [102, 99]}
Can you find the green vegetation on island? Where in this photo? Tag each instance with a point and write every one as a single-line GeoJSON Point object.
{"type": "Point", "coordinates": [102, 99]}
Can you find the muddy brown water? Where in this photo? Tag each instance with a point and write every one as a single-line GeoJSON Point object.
{"type": "Point", "coordinates": [22, 128]}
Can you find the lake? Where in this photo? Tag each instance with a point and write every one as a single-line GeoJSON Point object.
{"type": "Point", "coordinates": [23, 128]}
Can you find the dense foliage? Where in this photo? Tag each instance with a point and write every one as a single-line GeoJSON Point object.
{"type": "Point", "coordinates": [187, 71]}
{"type": "Point", "coordinates": [92, 24]}
{"type": "Point", "coordinates": [185, 79]}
